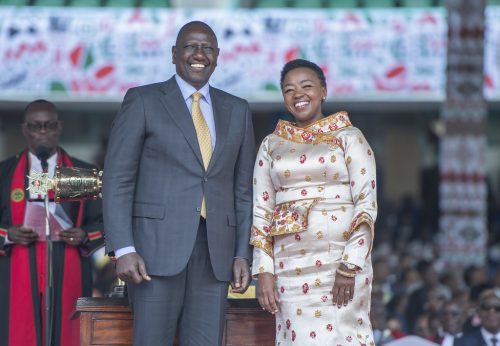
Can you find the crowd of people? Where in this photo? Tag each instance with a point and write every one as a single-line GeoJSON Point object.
{"type": "Point", "coordinates": [416, 293]}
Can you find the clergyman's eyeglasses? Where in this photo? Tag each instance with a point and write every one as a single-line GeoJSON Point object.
{"type": "Point", "coordinates": [38, 127]}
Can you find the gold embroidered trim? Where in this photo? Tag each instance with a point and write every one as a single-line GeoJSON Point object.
{"type": "Point", "coordinates": [339, 117]}
{"type": "Point", "coordinates": [305, 137]}
{"type": "Point", "coordinates": [317, 132]}
{"type": "Point", "coordinates": [291, 217]}
{"type": "Point", "coordinates": [357, 221]}
{"type": "Point", "coordinates": [262, 240]}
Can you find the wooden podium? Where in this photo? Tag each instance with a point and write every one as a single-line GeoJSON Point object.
{"type": "Point", "coordinates": [108, 321]}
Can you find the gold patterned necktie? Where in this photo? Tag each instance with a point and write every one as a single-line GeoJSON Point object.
{"type": "Point", "coordinates": [204, 139]}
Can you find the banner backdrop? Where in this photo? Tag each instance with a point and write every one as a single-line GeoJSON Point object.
{"type": "Point", "coordinates": [463, 192]}
{"type": "Point", "coordinates": [97, 54]}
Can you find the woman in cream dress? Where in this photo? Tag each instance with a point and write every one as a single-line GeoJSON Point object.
{"type": "Point", "coordinates": [314, 213]}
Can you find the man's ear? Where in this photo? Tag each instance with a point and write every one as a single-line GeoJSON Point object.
{"type": "Point", "coordinates": [60, 126]}
{"type": "Point", "coordinates": [24, 130]}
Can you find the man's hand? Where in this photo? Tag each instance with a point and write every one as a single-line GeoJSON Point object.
{"type": "Point", "coordinates": [131, 268]}
{"type": "Point", "coordinates": [241, 275]}
{"type": "Point", "coordinates": [267, 294]}
{"type": "Point", "coordinates": [73, 236]}
{"type": "Point", "coordinates": [22, 235]}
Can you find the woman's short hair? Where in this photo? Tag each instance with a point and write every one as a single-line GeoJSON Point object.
{"type": "Point", "coordinates": [298, 63]}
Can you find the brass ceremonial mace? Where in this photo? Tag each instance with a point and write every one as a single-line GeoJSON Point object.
{"type": "Point", "coordinates": [69, 184]}
{"type": "Point", "coordinates": [73, 184]}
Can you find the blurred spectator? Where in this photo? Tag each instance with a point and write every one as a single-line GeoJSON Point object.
{"type": "Point", "coordinates": [382, 277]}
{"type": "Point", "coordinates": [428, 295]}
{"type": "Point", "coordinates": [435, 299]}
{"type": "Point", "coordinates": [489, 313]}
{"type": "Point", "coordinates": [424, 327]}
{"type": "Point", "coordinates": [409, 281]}
{"type": "Point", "coordinates": [407, 222]}
{"type": "Point", "coordinates": [475, 276]}
{"type": "Point", "coordinates": [453, 281]}
{"type": "Point", "coordinates": [396, 308]}
{"type": "Point", "coordinates": [378, 318]}
{"type": "Point", "coordinates": [474, 320]}
{"type": "Point", "coordinates": [452, 319]}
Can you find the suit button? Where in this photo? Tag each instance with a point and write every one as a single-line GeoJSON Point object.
{"type": "Point", "coordinates": [198, 209]}
{"type": "Point", "coordinates": [205, 179]}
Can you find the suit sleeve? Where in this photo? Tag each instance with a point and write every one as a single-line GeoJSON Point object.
{"type": "Point", "coordinates": [243, 189]}
{"type": "Point", "coordinates": [360, 163]}
{"type": "Point", "coordinates": [121, 165]}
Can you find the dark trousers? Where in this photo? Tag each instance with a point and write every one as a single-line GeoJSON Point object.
{"type": "Point", "coordinates": [193, 301]}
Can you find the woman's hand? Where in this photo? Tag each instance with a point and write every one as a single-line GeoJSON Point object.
{"type": "Point", "coordinates": [343, 288]}
{"type": "Point", "coordinates": [267, 294]}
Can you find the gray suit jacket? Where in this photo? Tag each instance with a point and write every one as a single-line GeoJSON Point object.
{"type": "Point", "coordinates": [154, 180]}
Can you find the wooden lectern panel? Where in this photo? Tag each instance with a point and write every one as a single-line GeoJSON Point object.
{"type": "Point", "coordinates": [249, 327]}
{"type": "Point", "coordinates": [104, 330]}
{"type": "Point", "coordinates": [108, 321]}
{"type": "Point", "coordinates": [104, 321]}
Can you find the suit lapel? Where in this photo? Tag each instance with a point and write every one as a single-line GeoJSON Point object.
{"type": "Point", "coordinates": [176, 108]}
{"type": "Point", "coordinates": [222, 118]}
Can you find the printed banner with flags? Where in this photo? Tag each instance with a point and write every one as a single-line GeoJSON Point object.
{"type": "Point", "coordinates": [98, 53]}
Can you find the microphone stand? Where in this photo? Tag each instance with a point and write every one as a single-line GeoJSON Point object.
{"type": "Point", "coordinates": [49, 276]}
{"type": "Point", "coordinates": [48, 270]}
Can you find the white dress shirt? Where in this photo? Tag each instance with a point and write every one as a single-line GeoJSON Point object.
{"type": "Point", "coordinates": [487, 336]}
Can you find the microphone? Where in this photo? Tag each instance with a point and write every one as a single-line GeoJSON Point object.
{"type": "Point", "coordinates": [43, 153]}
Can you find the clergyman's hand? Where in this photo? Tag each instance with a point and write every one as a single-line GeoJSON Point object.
{"type": "Point", "coordinates": [131, 268]}
{"type": "Point", "coordinates": [73, 236]}
{"type": "Point", "coordinates": [241, 275]}
{"type": "Point", "coordinates": [22, 235]}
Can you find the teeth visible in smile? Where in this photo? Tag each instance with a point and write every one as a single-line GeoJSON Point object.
{"type": "Point", "coordinates": [197, 65]}
{"type": "Point", "coordinates": [301, 104]}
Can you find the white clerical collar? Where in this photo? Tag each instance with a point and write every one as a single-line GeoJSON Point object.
{"type": "Point", "coordinates": [36, 164]}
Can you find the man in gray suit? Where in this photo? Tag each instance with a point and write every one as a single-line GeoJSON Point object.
{"type": "Point", "coordinates": [179, 220]}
